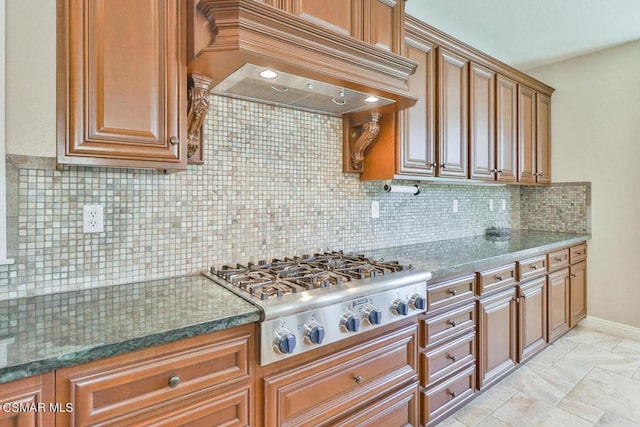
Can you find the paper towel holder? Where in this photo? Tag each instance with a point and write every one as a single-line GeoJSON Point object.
{"type": "Point", "coordinates": [406, 189]}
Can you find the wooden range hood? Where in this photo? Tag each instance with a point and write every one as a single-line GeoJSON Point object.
{"type": "Point", "coordinates": [227, 34]}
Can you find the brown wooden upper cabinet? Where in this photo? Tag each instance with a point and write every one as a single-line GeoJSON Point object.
{"type": "Point", "coordinates": [377, 22]}
{"type": "Point", "coordinates": [417, 125]}
{"type": "Point", "coordinates": [506, 129]}
{"type": "Point", "coordinates": [543, 139]}
{"type": "Point", "coordinates": [534, 136]}
{"type": "Point", "coordinates": [122, 83]}
{"type": "Point", "coordinates": [482, 142]}
{"type": "Point", "coordinates": [452, 102]}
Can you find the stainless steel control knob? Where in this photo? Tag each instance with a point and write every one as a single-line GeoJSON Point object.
{"type": "Point", "coordinates": [399, 307]}
{"type": "Point", "coordinates": [417, 302]}
{"type": "Point", "coordinates": [372, 315]}
{"type": "Point", "coordinates": [349, 322]}
{"type": "Point", "coordinates": [314, 332]}
{"type": "Point", "coordinates": [285, 341]}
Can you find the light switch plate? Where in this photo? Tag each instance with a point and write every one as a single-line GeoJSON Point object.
{"type": "Point", "coordinates": [455, 206]}
{"type": "Point", "coordinates": [375, 209]}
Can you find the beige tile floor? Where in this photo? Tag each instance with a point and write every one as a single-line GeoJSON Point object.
{"type": "Point", "coordinates": [586, 378]}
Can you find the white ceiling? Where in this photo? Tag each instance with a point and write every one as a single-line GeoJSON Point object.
{"type": "Point", "coordinates": [531, 33]}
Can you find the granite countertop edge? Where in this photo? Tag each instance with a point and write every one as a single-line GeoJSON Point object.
{"type": "Point", "coordinates": [484, 263]}
{"type": "Point", "coordinates": [100, 351]}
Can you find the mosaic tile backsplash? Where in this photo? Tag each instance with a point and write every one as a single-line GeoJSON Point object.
{"type": "Point", "coordinates": [272, 186]}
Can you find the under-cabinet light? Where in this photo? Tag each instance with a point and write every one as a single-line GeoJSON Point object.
{"type": "Point", "coordinates": [268, 74]}
{"type": "Point", "coordinates": [372, 99]}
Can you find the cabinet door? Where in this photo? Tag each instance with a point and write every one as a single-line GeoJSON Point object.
{"type": "Point", "coordinates": [32, 391]}
{"type": "Point", "coordinates": [481, 123]}
{"type": "Point", "coordinates": [417, 149]}
{"type": "Point", "coordinates": [506, 129]}
{"type": "Point", "coordinates": [558, 304]}
{"type": "Point", "coordinates": [384, 24]}
{"type": "Point", "coordinates": [526, 135]}
{"type": "Point", "coordinates": [496, 336]}
{"type": "Point", "coordinates": [343, 16]}
{"type": "Point", "coordinates": [452, 121]}
{"type": "Point", "coordinates": [532, 317]}
{"type": "Point", "coordinates": [543, 138]}
{"type": "Point", "coordinates": [122, 83]}
{"type": "Point", "coordinates": [578, 293]}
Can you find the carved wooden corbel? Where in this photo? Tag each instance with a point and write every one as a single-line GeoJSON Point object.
{"type": "Point", "coordinates": [360, 132]}
{"type": "Point", "coordinates": [198, 108]}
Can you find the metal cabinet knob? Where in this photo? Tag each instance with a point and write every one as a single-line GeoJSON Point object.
{"type": "Point", "coordinates": [358, 379]}
{"type": "Point", "coordinates": [174, 140]}
{"type": "Point", "coordinates": [572, 275]}
{"type": "Point", "coordinates": [500, 171]}
{"type": "Point", "coordinates": [559, 259]}
{"type": "Point", "coordinates": [533, 267]}
{"type": "Point", "coordinates": [452, 394]}
{"type": "Point", "coordinates": [499, 278]}
{"type": "Point", "coordinates": [452, 323]}
{"type": "Point", "coordinates": [434, 165]}
{"type": "Point", "coordinates": [452, 292]}
{"type": "Point", "coordinates": [453, 358]}
{"type": "Point", "coordinates": [174, 381]}
{"type": "Point", "coordinates": [444, 166]}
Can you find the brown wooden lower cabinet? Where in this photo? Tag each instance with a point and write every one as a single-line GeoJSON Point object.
{"type": "Point", "coordinates": [32, 391]}
{"type": "Point", "coordinates": [204, 379]}
{"type": "Point", "coordinates": [577, 292]}
{"type": "Point", "coordinates": [497, 334]}
{"type": "Point", "coordinates": [436, 402]}
{"type": "Point", "coordinates": [398, 409]}
{"type": "Point", "coordinates": [324, 391]}
{"type": "Point", "coordinates": [558, 304]}
{"type": "Point", "coordinates": [532, 317]}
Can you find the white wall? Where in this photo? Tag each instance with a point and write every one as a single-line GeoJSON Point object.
{"type": "Point", "coordinates": [596, 137]}
{"type": "Point", "coordinates": [31, 77]}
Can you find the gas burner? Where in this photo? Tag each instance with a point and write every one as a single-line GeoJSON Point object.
{"type": "Point", "coordinates": [280, 277]}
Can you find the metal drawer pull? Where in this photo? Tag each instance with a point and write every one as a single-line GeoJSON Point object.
{"type": "Point", "coordinates": [452, 292]}
{"type": "Point", "coordinates": [174, 381]}
{"type": "Point", "coordinates": [452, 394]}
{"type": "Point", "coordinates": [358, 379]}
{"type": "Point", "coordinates": [535, 267]}
{"type": "Point", "coordinates": [572, 275]}
{"type": "Point", "coordinates": [499, 278]}
{"type": "Point", "coordinates": [559, 259]}
{"type": "Point", "coordinates": [452, 323]}
{"type": "Point", "coordinates": [453, 358]}
{"type": "Point", "coordinates": [579, 253]}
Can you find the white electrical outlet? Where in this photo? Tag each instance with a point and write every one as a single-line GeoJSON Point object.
{"type": "Point", "coordinates": [92, 219]}
{"type": "Point", "coordinates": [375, 209]}
{"type": "Point", "coordinates": [504, 205]}
{"type": "Point", "coordinates": [455, 206]}
{"type": "Point", "coordinates": [490, 204]}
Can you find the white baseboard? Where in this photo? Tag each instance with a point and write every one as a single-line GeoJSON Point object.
{"type": "Point", "coordinates": [610, 327]}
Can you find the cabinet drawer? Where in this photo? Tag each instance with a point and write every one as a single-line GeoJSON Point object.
{"type": "Point", "coordinates": [558, 259]}
{"type": "Point", "coordinates": [448, 395]}
{"type": "Point", "coordinates": [578, 253]}
{"type": "Point", "coordinates": [447, 359]}
{"type": "Point", "coordinates": [532, 267]}
{"type": "Point", "coordinates": [325, 390]}
{"type": "Point", "coordinates": [496, 278]}
{"type": "Point", "coordinates": [398, 409]}
{"type": "Point", "coordinates": [446, 294]}
{"type": "Point", "coordinates": [199, 409]}
{"type": "Point", "coordinates": [435, 330]}
{"type": "Point", "coordinates": [143, 381]}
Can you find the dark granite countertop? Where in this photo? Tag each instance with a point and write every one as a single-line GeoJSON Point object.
{"type": "Point", "coordinates": [447, 258]}
{"type": "Point", "coordinates": [43, 333]}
